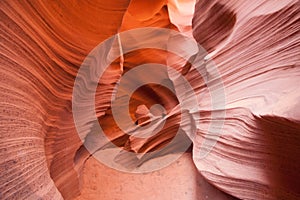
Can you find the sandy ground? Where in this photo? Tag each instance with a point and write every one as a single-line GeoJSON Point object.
{"type": "Point", "coordinates": [178, 181]}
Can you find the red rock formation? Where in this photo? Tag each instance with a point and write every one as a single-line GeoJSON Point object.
{"type": "Point", "coordinates": [256, 156]}
{"type": "Point", "coordinates": [255, 46]}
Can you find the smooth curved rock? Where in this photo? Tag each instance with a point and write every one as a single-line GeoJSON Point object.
{"type": "Point", "coordinates": [255, 45]}
{"type": "Point", "coordinates": [256, 156]}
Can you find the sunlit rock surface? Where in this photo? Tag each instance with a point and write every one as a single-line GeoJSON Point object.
{"type": "Point", "coordinates": [256, 156]}
{"type": "Point", "coordinates": [256, 48]}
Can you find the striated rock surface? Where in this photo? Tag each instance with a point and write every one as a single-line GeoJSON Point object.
{"type": "Point", "coordinates": [256, 156]}
{"type": "Point", "coordinates": [255, 46]}
{"type": "Point", "coordinates": [42, 46]}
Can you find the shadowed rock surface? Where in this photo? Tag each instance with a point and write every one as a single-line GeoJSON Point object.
{"type": "Point", "coordinates": [256, 48]}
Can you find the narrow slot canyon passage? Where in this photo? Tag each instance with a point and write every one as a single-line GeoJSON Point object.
{"type": "Point", "coordinates": [152, 100]}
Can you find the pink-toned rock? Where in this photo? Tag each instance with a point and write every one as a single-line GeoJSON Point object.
{"type": "Point", "coordinates": [257, 154]}
{"type": "Point", "coordinates": [256, 48]}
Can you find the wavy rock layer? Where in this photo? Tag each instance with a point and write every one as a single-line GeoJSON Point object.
{"type": "Point", "coordinates": [255, 46]}
{"type": "Point", "coordinates": [256, 156]}
{"type": "Point", "coordinates": [42, 46]}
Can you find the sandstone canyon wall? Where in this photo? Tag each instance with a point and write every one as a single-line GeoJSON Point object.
{"type": "Point", "coordinates": [252, 52]}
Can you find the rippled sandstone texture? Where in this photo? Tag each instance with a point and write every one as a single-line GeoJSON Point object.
{"type": "Point", "coordinates": [255, 45]}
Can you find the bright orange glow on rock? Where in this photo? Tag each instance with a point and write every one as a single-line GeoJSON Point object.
{"type": "Point", "coordinates": [214, 116]}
